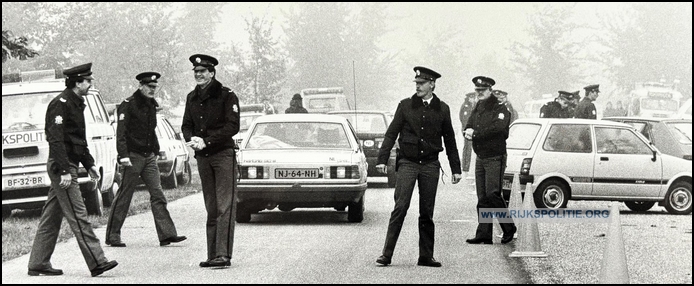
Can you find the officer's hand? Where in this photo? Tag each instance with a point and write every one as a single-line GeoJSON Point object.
{"type": "Point", "coordinates": [65, 180]}
{"type": "Point", "coordinates": [94, 173]}
{"type": "Point", "coordinates": [468, 133]}
{"type": "Point", "coordinates": [126, 161]}
{"type": "Point", "coordinates": [382, 168]}
{"type": "Point", "coordinates": [456, 178]}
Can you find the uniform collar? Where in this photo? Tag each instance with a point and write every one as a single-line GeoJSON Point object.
{"type": "Point", "coordinates": [418, 102]}
{"type": "Point", "coordinates": [212, 89]}
{"type": "Point", "coordinates": [73, 97]}
{"type": "Point", "coordinates": [142, 99]}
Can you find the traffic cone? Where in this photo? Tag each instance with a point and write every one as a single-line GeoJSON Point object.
{"type": "Point", "coordinates": [514, 203]}
{"type": "Point", "coordinates": [614, 259]}
{"type": "Point", "coordinates": [529, 236]}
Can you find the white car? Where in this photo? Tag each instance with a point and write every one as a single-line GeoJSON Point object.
{"type": "Point", "coordinates": [246, 118]}
{"type": "Point", "coordinates": [581, 159]}
{"type": "Point", "coordinates": [301, 160]}
{"type": "Point", "coordinates": [174, 158]}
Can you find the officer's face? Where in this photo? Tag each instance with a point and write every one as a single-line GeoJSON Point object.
{"type": "Point", "coordinates": [149, 89]}
{"type": "Point", "coordinates": [202, 75]}
{"type": "Point", "coordinates": [502, 98]}
{"type": "Point", "coordinates": [424, 88]}
{"type": "Point", "coordinates": [483, 94]}
{"type": "Point", "coordinates": [594, 95]}
{"type": "Point", "coordinates": [84, 86]}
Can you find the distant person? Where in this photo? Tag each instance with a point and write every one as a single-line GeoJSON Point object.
{"type": "Point", "coordinates": [586, 108]}
{"type": "Point", "coordinates": [138, 149]}
{"type": "Point", "coordinates": [619, 109]}
{"type": "Point", "coordinates": [573, 103]}
{"type": "Point", "coordinates": [268, 108]}
{"type": "Point", "coordinates": [422, 125]}
{"type": "Point", "coordinates": [503, 99]}
{"type": "Point", "coordinates": [296, 105]}
{"type": "Point", "coordinates": [67, 148]}
{"type": "Point", "coordinates": [609, 111]}
{"type": "Point", "coordinates": [559, 108]}
{"type": "Point", "coordinates": [464, 115]}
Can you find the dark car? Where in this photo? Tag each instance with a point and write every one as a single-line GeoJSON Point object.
{"type": "Point", "coordinates": [672, 136]}
{"type": "Point", "coordinates": [371, 126]}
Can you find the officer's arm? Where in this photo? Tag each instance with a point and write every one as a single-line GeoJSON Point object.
{"type": "Point", "coordinates": [187, 123]}
{"type": "Point", "coordinates": [499, 124]}
{"type": "Point", "coordinates": [232, 121]}
{"type": "Point", "coordinates": [391, 135]}
{"type": "Point", "coordinates": [122, 130]}
{"type": "Point", "coordinates": [449, 141]}
{"type": "Point", "coordinates": [55, 113]}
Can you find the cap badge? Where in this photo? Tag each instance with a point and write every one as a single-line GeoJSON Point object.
{"type": "Point", "coordinates": [418, 73]}
{"type": "Point", "coordinates": [479, 81]}
{"type": "Point", "coordinates": [154, 77]}
{"type": "Point", "coordinates": [197, 60]}
{"type": "Point", "coordinates": [58, 119]}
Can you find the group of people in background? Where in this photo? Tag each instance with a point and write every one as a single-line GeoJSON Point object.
{"type": "Point", "coordinates": [617, 110]}
{"type": "Point", "coordinates": [570, 105]}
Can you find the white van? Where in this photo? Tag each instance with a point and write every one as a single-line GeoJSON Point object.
{"type": "Point", "coordinates": [25, 181]}
{"type": "Point", "coordinates": [323, 100]}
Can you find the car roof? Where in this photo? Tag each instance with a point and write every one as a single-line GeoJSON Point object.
{"type": "Point", "coordinates": [652, 119]}
{"type": "Point", "coordinates": [301, 117]}
{"type": "Point", "coordinates": [16, 88]}
{"type": "Point", "coordinates": [570, 121]}
{"type": "Point", "coordinates": [358, 111]}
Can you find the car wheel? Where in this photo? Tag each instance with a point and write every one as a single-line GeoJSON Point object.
{"type": "Point", "coordinates": [639, 206]}
{"type": "Point", "coordinates": [186, 177]}
{"type": "Point", "coordinates": [392, 178]}
{"type": "Point", "coordinates": [679, 198]}
{"type": "Point", "coordinates": [93, 202]}
{"type": "Point", "coordinates": [242, 214]}
{"type": "Point", "coordinates": [170, 181]}
{"type": "Point", "coordinates": [355, 212]}
{"type": "Point", "coordinates": [6, 211]}
{"type": "Point", "coordinates": [551, 194]}
{"type": "Point", "coordinates": [286, 208]}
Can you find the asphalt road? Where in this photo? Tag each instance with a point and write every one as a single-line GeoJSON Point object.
{"type": "Point", "coordinates": [301, 246]}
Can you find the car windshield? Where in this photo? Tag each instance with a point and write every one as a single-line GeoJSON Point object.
{"type": "Point", "coordinates": [25, 112]}
{"type": "Point", "coordinates": [682, 131]}
{"type": "Point", "coordinates": [522, 135]}
{"type": "Point", "coordinates": [659, 104]}
{"type": "Point", "coordinates": [288, 135]}
{"type": "Point", "coordinates": [366, 123]}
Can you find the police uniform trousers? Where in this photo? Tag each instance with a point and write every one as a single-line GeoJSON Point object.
{"type": "Point", "coordinates": [144, 166]}
{"type": "Point", "coordinates": [467, 155]}
{"type": "Point", "coordinates": [489, 174]}
{"type": "Point", "coordinates": [427, 178]}
{"type": "Point", "coordinates": [217, 174]}
{"type": "Point", "coordinates": [66, 203]}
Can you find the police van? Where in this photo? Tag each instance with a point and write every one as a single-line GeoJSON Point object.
{"type": "Point", "coordinates": [323, 100]}
{"type": "Point", "coordinates": [25, 181]}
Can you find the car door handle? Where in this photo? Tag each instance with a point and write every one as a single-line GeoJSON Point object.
{"type": "Point", "coordinates": [604, 159]}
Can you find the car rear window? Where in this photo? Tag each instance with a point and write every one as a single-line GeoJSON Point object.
{"type": "Point", "coordinates": [522, 135]}
{"type": "Point", "coordinates": [569, 138]}
{"type": "Point", "coordinates": [682, 131]}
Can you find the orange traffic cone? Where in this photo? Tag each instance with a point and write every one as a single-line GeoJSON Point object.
{"type": "Point", "coordinates": [529, 236]}
{"type": "Point", "coordinates": [614, 259]}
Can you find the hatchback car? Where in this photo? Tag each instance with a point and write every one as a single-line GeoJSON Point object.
{"type": "Point", "coordinates": [580, 159]}
{"type": "Point", "coordinates": [671, 136]}
{"type": "Point", "coordinates": [301, 160]}
{"type": "Point", "coordinates": [371, 128]}
{"type": "Point", "coordinates": [174, 158]}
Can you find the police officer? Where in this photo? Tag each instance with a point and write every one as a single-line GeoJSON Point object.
{"type": "Point", "coordinates": [296, 105]}
{"type": "Point", "coordinates": [586, 108]}
{"type": "Point", "coordinates": [488, 129]}
{"type": "Point", "coordinates": [138, 148]}
{"type": "Point", "coordinates": [210, 120]}
{"type": "Point", "coordinates": [464, 115]}
{"type": "Point", "coordinates": [420, 121]}
{"type": "Point", "coordinates": [65, 133]}
{"type": "Point", "coordinates": [503, 98]}
{"type": "Point", "coordinates": [559, 108]}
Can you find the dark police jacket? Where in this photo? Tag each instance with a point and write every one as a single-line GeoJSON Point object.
{"type": "Point", "coordinates": [213, 115]}
{"type": "Point", "coordinates": [66, 133]}
{"type": "Point", "coordinates": [137, 119]}
{"type": "Point", "coordinates": [586, 109]}
{"type": "Point", "coordinates": [420, 129]}
{"type": "Point", "coordinates": [490, 120]}
{"type": "Point", "coordinates": [553, 110]}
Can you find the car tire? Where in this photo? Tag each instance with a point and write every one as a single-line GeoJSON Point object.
{"type": "Point", "coordinates": [186, 177]}
{"type": "Point", "coordinates": [551, 194]}
{"type": "Point", "coordinates": [6, 211]}
{"type": "Point", "coordinates": [392, 178]}
{"type": "Point", "coordinates": [170, 181]}
{"type": "Point", "coordinates": [355, 211]}
{"type": "Point", "coordinates": [242, 214]}
{"type": "Point", "coordinates": [638, 206]}
{"type": "Point", "coordinates": [93, 202]}
{"type": "Point", "coordinates": [679, 198]}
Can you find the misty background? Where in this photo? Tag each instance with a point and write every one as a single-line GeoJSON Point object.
{"type": "Point", "coordinates": [269, 51]}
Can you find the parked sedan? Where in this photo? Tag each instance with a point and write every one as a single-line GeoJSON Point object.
{"type": "Point", "coordinates": [174, 157]}
{"type": "Point", "coordinates": [301, 160]}
{"type": "Point", "coordinates": [671, 136]}
{"type": "Point", "coordinates": [580, 159]}
{"type": "Point", "coordinates": [245, 122]}
{"type": "Point", "coordinates": [371, 128]}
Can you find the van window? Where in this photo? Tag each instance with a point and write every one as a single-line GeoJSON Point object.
{"type": "Point", "coordinates": [26, 111]}
{"type": "Point", "coordinates": [569, 138]}
{"type": "Point", "coordinates": [522, 135]}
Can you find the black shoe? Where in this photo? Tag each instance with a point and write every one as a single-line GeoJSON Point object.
{"type": "Point", "coordinates": [508, 236]}
{"type": "Point", "coordinates": [478, 241]}
{"type": "Point", "coordinates": [205, 263]}
{"type": "Point", "coordinates": [101, 268]}
{"type": "Point", "coordinates": [431, 262]}
{"type": "Point", "coordinates": [115, 243]}
{"type": "Point", "coordinates": [47, 271]}
{"type": "Point", "coordinates": [169, 240]}
{"type": "Point", "coordinates": [384, 260]}
{"type": "Point", "coordinates": [219, 261]}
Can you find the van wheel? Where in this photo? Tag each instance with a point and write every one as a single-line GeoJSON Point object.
{"type": "Point", "coordinates": [170, 181]}
{"type": "Point", "coordinates": [355, 211]}
{"type": "Point", "coordinates": [551, 194]}
{"type": "Point", "coordinates": [6, 211]}
{"type": "Point", "coordinates": [93, 202]}
{"type": "Point", "coordinates": [639, 206]}
{"type": "Point", "coordinates": [186, 177]}
{"type": "Point", "coordinates": [679, 198]}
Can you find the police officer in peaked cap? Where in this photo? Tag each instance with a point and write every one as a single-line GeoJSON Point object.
{"type": "Point", "coordinates": [586, 108]}
{"type": "Point", "coordinates": [210, 120]}
{"type": "Point", "coordinates": [138, 148]}
{"type": "Point", "coordinates": [422, 125]}
{"type": "Point", "coordinates": [560, 107]}
{"type": "Point", "coordinates": [67, 143]}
